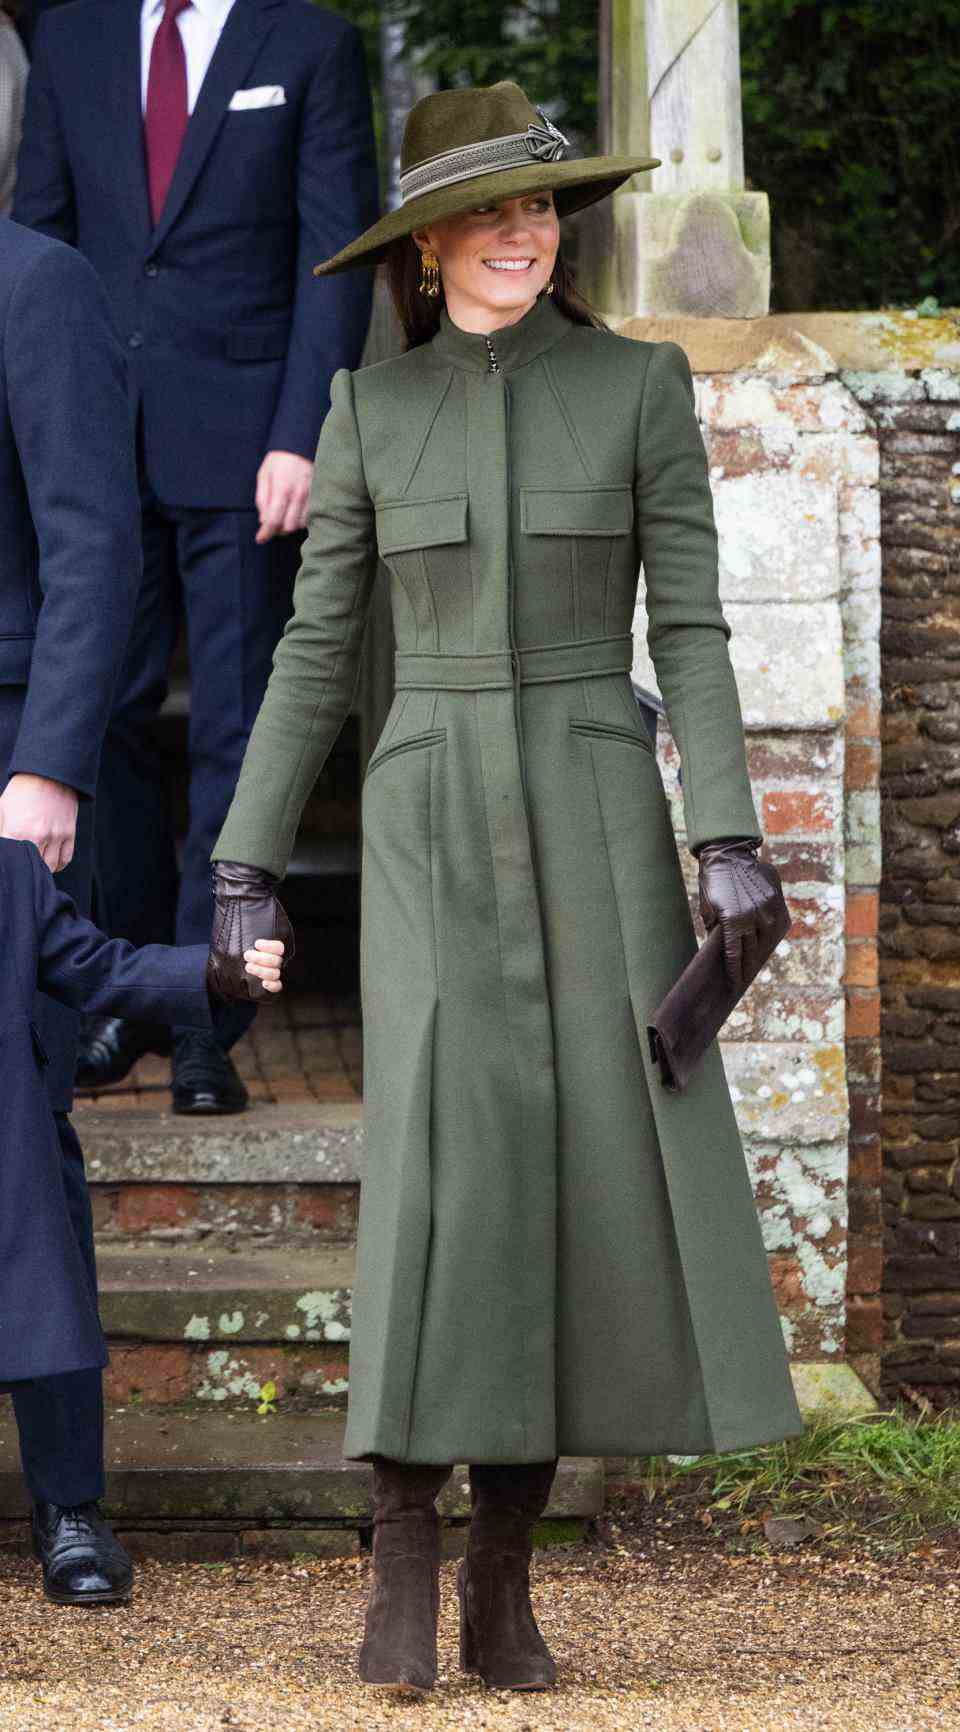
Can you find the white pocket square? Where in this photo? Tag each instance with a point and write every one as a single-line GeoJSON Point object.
{"type": "Point", "coordinates": [262, 96]}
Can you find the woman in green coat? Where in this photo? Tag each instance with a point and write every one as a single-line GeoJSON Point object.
{"type": "Point", "coordinates": [556, 1255]}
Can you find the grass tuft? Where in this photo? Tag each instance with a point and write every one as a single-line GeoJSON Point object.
{"type": "Point", "coordinates": [891, 1478]}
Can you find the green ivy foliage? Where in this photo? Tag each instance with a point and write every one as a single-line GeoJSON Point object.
{"type": "Point", "coordinates": [851, 123]}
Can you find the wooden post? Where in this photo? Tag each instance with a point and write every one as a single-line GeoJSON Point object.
{"type": "Point", "coordinates": [692, 240]}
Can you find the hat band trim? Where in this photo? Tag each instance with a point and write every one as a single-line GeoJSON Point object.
{"type": "Point", "coordinates": [490, 156]}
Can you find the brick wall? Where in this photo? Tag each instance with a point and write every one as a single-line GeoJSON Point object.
{"type": "Point", "coordinates": [918, 417]}
{"type": "Point", "coordinates": [794, 468]}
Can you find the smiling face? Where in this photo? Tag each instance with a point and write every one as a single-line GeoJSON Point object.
{"type": "Point", "coordinates": [495, 259]}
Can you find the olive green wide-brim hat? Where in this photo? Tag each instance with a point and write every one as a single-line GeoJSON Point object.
{"type": "Point", "coordinates": [463, 148]}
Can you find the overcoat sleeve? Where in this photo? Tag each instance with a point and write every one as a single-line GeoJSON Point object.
{"type": "Point", "coordinates": [687, 633]}
{"type": "Point", "coordinates": [67, 397]}
{"type": "Point", "coordinates": [317, 661]}
{"type": "Point", "coordinates": [80, 967]}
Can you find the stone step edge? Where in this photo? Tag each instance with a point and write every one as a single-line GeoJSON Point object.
{"type": "Point", "coordinates": [316, 1143]}
{"type": "Point", "coordinates": [300, 1143]}
{"type": "Point", "coordinates": [205, 1296]}
{"type": "Point", "coordinates": [282, 1496]}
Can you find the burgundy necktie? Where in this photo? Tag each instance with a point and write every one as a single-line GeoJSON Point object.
{"type": "Point", "coordinates": [166, 117]}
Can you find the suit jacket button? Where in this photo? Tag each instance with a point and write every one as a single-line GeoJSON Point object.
{"type": "Point", "coordinates": [151, 270]}
{"type": "Point", "coordinates": [136, 341]}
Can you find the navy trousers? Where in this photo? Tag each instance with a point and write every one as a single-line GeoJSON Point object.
{"type": "Point", "coordinates": [203, 567]}
{"type": "Point", "coordinates": [60, 1419]}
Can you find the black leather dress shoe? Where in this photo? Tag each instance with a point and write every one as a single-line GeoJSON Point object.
{"type": "Point", "coordinates": [204, 1078]}
{"type": "Point", "coordinates": [83, 1562]}
{"type": "Point", "coordinates": [110, 1046]}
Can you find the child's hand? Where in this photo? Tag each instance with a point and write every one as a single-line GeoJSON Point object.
{"type": "Point", "coordinates": [264, 961]}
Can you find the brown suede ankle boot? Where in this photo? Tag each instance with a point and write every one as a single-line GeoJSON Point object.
{"type": "Point", "coordinates": [399, 1649]}
{"type": "Point", "coordinates": [498, 1632]}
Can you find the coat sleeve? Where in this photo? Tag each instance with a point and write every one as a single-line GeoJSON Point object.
{"type": "Point", "coordinates": [82, 968]}
{"type": "Point", "coordinates": [686, 630]}
{"type": "Point", "coordinates": [317, 661]}
{"type": "Point", "coordinates": [337, 197]}
{"type": "Point", "coordinates": [44, 196]}
{"type": "Point", "coordinates": [66, 391]}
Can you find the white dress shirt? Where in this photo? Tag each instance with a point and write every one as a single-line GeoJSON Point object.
{"type": "Point", "coordinates": [199, 25]}
{"type": "Point", "coordinates": [13, 85]}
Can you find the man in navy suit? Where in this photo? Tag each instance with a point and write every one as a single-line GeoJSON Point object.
{"type": "Point", "coordinates": [203, 156]}
{"type": "Point", "coordinates": [69, 571]}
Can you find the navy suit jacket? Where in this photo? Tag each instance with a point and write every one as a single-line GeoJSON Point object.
{"type": "Point", "coordinates": [48, 1316]}
{"type": "Point", "coordinates": [232, 340]}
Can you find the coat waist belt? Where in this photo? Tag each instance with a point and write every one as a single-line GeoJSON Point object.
{"type": "Point", "coordinates": [536, 665]}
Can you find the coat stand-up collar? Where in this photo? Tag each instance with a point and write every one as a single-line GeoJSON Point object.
{"type": "Point", "coordinates": [514, 345]}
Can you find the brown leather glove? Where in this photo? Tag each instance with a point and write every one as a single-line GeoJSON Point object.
{"type": "Point", "coordinates": [245, 909]}
{"type": "Point", "coordinates": [744, 894]}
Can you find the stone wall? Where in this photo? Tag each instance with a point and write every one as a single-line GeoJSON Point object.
{"type": "Point", "coordinates": [917, 412]}
{"type": "Point", "coordinates": [794, 468]}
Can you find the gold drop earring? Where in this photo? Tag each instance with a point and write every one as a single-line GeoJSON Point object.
{"type": "Point", "coordinates": [429, 275]}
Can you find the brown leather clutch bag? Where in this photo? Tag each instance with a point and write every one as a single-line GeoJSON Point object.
{"type": "Point", "coordinates": [698, 1004]}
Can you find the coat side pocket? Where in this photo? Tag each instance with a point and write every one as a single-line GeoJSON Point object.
{"type": "Point", "coordinates": [610, 731]}
{"type": "Point", "coordinates": [416, 742]}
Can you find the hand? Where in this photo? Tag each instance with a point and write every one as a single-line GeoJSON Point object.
{"type": "Point", "coordinates": [283, 492]}
{"type": "Point", "coordinates": [265, 961]}
{"type": "Point", "coordinates": [245, 910]}
{"type": "Point", "coordinates": [37, 809]}
{"type": "Point", "coordinates": [745, 895]}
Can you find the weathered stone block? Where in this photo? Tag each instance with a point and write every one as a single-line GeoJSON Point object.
{"type": "Point", "coordinates": [832, 1391]}
{"type": "Point", "coordinates": [704, 253]}
{"type": "Point", "coordinates": [788, 1093]}
{"type": "Point", "coordinates": [778, 538]}
{"type": "Point", "coordinates": [754, 401]}
{"type": "Point", "coordinates": [787, 658]}
{"type": "Point", "coordinates": [942, 384]}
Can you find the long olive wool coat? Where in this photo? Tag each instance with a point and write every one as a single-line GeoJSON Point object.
{"type": "Point", "coordinates": [555, 1255]}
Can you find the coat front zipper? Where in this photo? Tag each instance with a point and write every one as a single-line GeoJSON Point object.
{"type": "Point", "coordinates": [494, 367]}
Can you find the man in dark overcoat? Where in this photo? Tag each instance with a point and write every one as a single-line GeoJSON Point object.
{"type": "Point", "coordinates": [49, 1326]}
{"type": "Point", "coordinates": [203, 156]}
{"type": "Point", "coordinates": [69, 569]}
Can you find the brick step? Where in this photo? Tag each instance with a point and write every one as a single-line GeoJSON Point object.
{"type": "Point", "coordinates": [212, 1325]}
{"type": "Point", "coordinates": [283, 1172]}
{"type": "Point", "coordinates": [210, 1485]}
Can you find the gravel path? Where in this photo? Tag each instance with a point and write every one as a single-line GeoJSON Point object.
{"type": "Point", "coordinates": [675, 1638]}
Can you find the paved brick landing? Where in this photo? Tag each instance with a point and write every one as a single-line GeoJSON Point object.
{"type": "Point", "coordinates": [303, 1049]}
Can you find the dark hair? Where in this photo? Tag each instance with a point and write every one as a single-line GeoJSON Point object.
{"type": "Point", "coordinates": [420, 314]}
